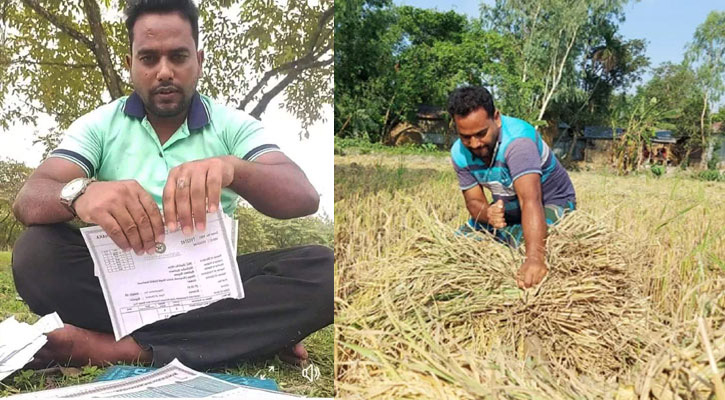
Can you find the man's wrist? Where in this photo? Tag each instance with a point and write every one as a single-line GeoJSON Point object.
{"type": "Point", "coordinates": [237, 168]}
{"type": "Point", "coordinates": [73, 190]}
{"type": "Point", "coordinates": [535, 257]}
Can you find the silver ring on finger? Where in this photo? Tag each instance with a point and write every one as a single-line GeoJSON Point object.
{"type": "Point", "coordinates": [180, 183]}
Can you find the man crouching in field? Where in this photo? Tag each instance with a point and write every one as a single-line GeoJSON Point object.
{"type": "Point", "coordinates": [506, 155]}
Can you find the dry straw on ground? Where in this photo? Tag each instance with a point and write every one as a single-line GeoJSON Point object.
{"type": "Point", "coordinates": [422, 313]}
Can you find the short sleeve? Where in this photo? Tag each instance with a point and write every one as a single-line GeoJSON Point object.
{"type": "Point", "coordinates": [82, 145]}
{"type": "Point", "coordinates": [522, 157]}
{"type": "Point", "coordinates": [247, 138]}
{"type": "Point", "coordinates": [466, 180]}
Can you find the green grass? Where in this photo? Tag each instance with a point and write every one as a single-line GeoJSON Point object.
{"type": "Point", "coordinates": [352, 146]}
{"type": "Point", "coordinates": [288, 377]}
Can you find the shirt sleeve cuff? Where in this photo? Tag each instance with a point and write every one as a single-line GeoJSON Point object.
{"type": "Point", "coordinates": [259, 150]}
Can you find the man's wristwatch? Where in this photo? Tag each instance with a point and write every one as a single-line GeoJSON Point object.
{"type": "Point", "coordinates": [72, 190]}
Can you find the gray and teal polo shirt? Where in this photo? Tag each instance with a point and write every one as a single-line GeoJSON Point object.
{"type": "Point", "coordinates": [519, 151]}
{"type": "Point", "coordinates": [117, 142]}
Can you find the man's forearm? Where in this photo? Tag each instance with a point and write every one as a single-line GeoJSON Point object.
{"type": "Point", "coordinates": [277, 190]}
{"type": "Point", "coordinates": [477, 209]}
{"type": "Point", "coordinates": [534, 225]}
{"type": "Point", "coordinates": [38, 202]}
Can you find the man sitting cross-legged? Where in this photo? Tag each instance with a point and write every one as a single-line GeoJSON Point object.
{"type": "Point", "coordinates": [168, 151]}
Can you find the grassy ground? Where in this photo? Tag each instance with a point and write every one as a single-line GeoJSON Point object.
{"type": "Point", "coordinates": [385, 205]}
{"type": "Point", "coordinates": [289, 378]}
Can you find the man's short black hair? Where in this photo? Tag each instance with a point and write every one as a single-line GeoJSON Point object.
{"type": "Point", "coordinates": [468, 98]}
{"type": "Point", "coordinates": [136, 8]}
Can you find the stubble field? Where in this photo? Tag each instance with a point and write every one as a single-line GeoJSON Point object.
{"type": "Point", "coordinates": [633, 306]}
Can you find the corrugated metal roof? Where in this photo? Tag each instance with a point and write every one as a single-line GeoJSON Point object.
{"type": "Point", "coordinates": [664, 137]}
{"type": "Point", "coordinates": [601, 132]}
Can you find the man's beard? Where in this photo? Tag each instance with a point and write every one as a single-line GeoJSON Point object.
{"type": "Point", "coordinates": [166, 112]}
{"type": "Point", "coordinates": [486, 159]}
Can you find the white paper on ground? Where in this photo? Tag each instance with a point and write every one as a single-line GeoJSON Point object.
{"type": "Point", "coordinates": [256, 394]}
{"type": "Point", "coordinates": [48, 323]}
{"type": "Point", "coordinates": [19, 341]}
{"type": "Point", "coordinates": [174, 380]}
{"type": "Point", "coordinates": [186, 272]}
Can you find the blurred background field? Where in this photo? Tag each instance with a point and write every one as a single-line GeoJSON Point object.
{"type": "Point", "coordinates": [422, 313]}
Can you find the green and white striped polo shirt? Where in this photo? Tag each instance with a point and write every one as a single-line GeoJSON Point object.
{"type": "Point", "coordinates": [117, 142]}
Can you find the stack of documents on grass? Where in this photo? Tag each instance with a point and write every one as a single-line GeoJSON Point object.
{"type": "Point", "coordinates": [185, 273]}
{"type": "Point", "coordinates": [172, 381]}
{"type": "Point", "coordinates": [19, 341]}
{"type": "Point", "coordinates": [116, 372]}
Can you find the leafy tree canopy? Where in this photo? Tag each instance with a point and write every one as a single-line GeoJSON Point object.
{"type": "Point", "coordinates": [65, 58]}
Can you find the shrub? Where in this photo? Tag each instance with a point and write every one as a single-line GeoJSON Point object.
{"type": "Point", "coordinates": [710, 175]}
{"type": "Point", "coordinates": [657, 170]}
{"type": "Point", "coordinates": [258, 232]}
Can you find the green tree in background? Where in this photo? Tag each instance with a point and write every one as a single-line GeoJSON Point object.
{"type": "Point", "coordinates": [389, 60]}
{"type": "Point", "coordinates": [707, 53]}
{"type": "Point", "coordinates": [719, 116]}
{"type": "Point", "coordinates": [640, 117]}
{"type": "Point", "coordinates": [364, 63]}
{"type": "Point", "coordinates": [65, 58]}
{"type": "Point", "coordinates": [545, 62]}
{"type": "Point", "coordinates": [258, 232]}
{"type": "Point", "coordinates": [550, 35]}
{"type": "Point", "coordinates": [609, 63]}
{"type": "Point", "coordinates": [676, 88]}
{"type": "Point", "coordinates": [12, 177]}
{"type": "Point", "coordinates": [552, 59]}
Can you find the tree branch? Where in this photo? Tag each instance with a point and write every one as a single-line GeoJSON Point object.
{"type": "Point", "coordinates": [295, 65]}
{"type": "Point", "coordinates": [53, 19]}
{"type": "Point", "coordinates": [100, 49]}
{"type": "Point", "coordinates": [267, 97]}
{"type": "Point", "coordinates": [50, 63]}
{"type": "Point", "coordinates": [299, 64]}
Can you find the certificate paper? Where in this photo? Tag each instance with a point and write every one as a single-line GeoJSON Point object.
{"type": "Point", "coordinates": [185, 273]}
{"type": "Point", "coordinates": [175, 380]}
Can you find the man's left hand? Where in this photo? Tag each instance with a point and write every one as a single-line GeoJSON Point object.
{"type": "Point", "coordinates": [531, 273]}
{"type": "Point", "coordinates": [192, 189]}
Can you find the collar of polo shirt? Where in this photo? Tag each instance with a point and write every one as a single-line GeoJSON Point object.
{"type": "Point", "coordinates": [197, 118]}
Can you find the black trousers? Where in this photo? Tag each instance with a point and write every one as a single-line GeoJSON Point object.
{"type": "Point", "coordinates": [288, 295]}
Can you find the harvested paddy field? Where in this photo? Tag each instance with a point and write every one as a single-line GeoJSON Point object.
{"type": "Point", "coordinates": [633, 305]}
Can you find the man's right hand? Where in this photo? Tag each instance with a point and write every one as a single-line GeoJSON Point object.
{"type": "Point", "coordinates": [125, 211]}
{"type": "Point", "coordinates": [495, 215]}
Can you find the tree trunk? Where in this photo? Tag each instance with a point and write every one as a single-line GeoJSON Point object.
{"type": "Point", "coordinates": [98, 46]}
{"type": "Point", "coordinates": [570, 153]}
{"type": "Point", "coordinates": [385, 120]}
{"type": "Point", "coordinates": [527, 45]}
{"type": "Point", "coordinates": [100, 49]}
{"type": "Point", "coordinates": [703, 140]}
{"type": "Point", "coordinates": [344, 125]}
{"type": "Point", "coordinates": [557, 75]}
{"type": "Point", "coordinates": [686, 157]}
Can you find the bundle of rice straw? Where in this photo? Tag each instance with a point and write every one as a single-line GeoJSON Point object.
{"type": "Point", "coordinates": [444, 318]}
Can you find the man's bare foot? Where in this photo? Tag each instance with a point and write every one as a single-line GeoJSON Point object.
{"type": "Point", "coordinates": [295, 355]}
{"type": "Point", "coordinates": [73, 346]}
